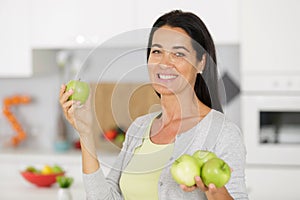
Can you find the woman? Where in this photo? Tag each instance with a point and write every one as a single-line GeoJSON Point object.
{"type": "Point", "coordinates": [181, 55]}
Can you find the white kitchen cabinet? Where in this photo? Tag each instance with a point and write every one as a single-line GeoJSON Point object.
{"type": "Point", "coordinates": [270, 37]}
{"type": "Point", "coordinates": [99, 21]}
{"type": "Point", "coordinates": [53, 23]}
{"type": "Point", "coordinates": [15, 52]}
{"type": "Point", "coordinates": [221, 17]}
{"type": "Point", "coordinates": [271, 182]}
{"type": "Point", "coordinates": [76, 24]}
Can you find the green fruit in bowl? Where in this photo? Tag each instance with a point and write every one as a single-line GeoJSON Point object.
{"type": "Point", "coordinates": [184, 170]}
{"type": "Point", "coordinates": [215, 171]}
{"type": "Point", "coordinates": [57, 169]}
{"type": "Point", "coordinates": [32, 169]}
{"type": "Point", "coordinates": [80, 89]}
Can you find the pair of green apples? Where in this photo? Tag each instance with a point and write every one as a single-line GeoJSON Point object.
{"type": "Point", "coordinates": [202, 163]}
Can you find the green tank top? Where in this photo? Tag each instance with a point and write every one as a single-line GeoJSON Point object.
{"type": "Point", "coordinates": [140, 178]}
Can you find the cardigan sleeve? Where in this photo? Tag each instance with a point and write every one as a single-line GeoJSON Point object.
{"type": "Point", "coordinates": [99, 187]}
{"type": "Point", "coordinates": [230, 147]}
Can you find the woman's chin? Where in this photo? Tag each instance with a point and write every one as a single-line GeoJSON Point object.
{"type": "Point", "coordinates": [163, 90]}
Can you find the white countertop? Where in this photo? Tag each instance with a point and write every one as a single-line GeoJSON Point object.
{"type": "Point", "coordinates": [14, 187]}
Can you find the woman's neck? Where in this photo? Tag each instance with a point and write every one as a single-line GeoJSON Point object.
{"type": "Point", "coordinates": [181, 106]}
{"type": "Point", "coordinates": [179, 114]}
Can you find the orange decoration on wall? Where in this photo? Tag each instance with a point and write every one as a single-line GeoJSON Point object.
{"type": "Point", "coordinates": [7, 103]}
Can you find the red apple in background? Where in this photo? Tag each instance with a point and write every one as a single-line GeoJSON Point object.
{"type": "Point", "coordinates": [215, 171]}
{"type": "Point", "coordinates": [203, 156]}
{"type": "Point", "coordinates": [110, 134]}
{"type": "Point", "coordinates": [80, 89]}
{"type": "Point", "coordinates": [77, 144]}
{"type": "Point", "coordinates": [184, 170]}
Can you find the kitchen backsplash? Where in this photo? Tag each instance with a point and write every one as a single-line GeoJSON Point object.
{"type": "Point", "coordinates": [39, 118]}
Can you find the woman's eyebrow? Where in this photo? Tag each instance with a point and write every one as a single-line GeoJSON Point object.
{"type": "Point", "coordinates": [175, 47]}
{"type": "Point", "coordinates": [181, 47]}
{"type": "Point", "coordinates": [156, 45]}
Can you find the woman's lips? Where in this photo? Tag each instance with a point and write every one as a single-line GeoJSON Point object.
{"type": "Point", "coordinates": [166, 76]}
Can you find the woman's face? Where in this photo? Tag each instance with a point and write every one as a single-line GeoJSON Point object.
{"type": "Point", "coordinates": [172, 63]}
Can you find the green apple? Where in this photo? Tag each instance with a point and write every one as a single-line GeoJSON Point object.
{"type": "Point", "coordinates": [203, 156]}
{"type": "Point", "coordinates": [120, 138]}
{"type": "Point", "coordinates": [57, 169]}
{"type": "Point", "coordinates": [80, 89]}
{"type": "Point", "coordinates": [31, 169]}
{"type": "Point", "coordinates": [215, 171]}
{"type": "Point", "coordinates": [184, 170]}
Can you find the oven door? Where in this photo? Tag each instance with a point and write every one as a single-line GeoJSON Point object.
{"type": "Point", "coordinates": [271, 127]}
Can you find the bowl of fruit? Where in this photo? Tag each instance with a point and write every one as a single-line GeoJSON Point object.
{"type": "Point", "coordinates": [42, 177]}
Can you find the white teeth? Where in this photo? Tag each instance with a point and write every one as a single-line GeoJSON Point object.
{"type": "Point", "coordinates": [166, 77]}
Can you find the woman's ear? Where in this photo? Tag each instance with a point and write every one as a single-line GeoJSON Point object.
{"type": "Point", "coordinates": [201, 64]}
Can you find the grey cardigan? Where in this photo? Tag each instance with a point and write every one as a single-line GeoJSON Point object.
{"type": "Point", "coordinates": [214, 132]}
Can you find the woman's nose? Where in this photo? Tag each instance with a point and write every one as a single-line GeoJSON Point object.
{"type": "Point", "coordinates": [166, 59]}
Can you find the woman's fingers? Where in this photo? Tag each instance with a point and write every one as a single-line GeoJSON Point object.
{"type": "Point", "coordinates": [62, 90]}
{"type": "Point", "coordinates": [200, 184]}
{"type": "Point", "coordinates": [187, 189]}
{"type": "Point", "coordinates": [64, 95]}
{"type": "Point", "coordinates": [67, 105]}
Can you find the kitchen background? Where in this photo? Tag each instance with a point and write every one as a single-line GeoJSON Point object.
{"type": "Point", "coordinates": [46, 43]}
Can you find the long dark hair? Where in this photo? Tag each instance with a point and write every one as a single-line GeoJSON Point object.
{"type": "Point", "coordinates": [206, 85]}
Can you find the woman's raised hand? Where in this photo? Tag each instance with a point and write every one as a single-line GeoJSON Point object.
{"type": "Point", "coordinates": [81, 117]}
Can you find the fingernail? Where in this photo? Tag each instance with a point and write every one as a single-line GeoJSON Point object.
{"type": "Point", "coordinates": [212, 186]}
{"type": "Point", "coordinates": [181, 186]}
{"type": "Point", "coordinates": [197, 178]}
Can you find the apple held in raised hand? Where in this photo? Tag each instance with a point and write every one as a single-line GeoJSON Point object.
{"type": "Point", "coordinates": [184, 170]}
{"type": "Point", "coordinates": [203, 156]}
{"type": "Point", "coordinates": [215, 171]}
{"type": "Point", "coordinates": [80, 89]}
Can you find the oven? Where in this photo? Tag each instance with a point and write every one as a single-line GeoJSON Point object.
{"type": "Point", "coordinates": [271, 124]}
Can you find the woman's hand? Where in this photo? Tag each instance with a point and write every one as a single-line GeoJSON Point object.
{"type": "Point", "coordinates": [81, 117]}
{"type": "Point", "coordinates": [212, 193]}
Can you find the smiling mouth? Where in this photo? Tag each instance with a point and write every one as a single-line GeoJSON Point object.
{"type": "Point", "coordinates": [166, 76]}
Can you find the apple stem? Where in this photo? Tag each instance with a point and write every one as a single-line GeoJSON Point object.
{"type": "Point", "coordinates": [224, 166]}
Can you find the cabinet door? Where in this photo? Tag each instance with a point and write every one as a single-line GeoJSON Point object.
{"type": "Point", "coordinates": [270, 37]}
{"type": "Point", "coordinates": [15, 54]}
{"type": "Point", "coordinates": [54, 23]}
{"type": "Point", "coordinates": [221, 17]}
{"type": "Point", "coordinates": [99, 21]}
{"type": "Point", "coordinates": [77, 24]}
{"type": "Point", "coordinates": [265, 182]}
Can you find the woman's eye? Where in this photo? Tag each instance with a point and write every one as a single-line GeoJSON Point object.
{"type": "Point", "coordinates": [179, 54]}
{"type": "Point", "coordinates": [155, 51]}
